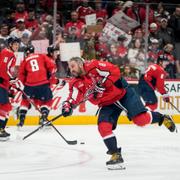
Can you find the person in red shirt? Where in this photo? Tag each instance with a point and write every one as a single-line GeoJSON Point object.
{"type": "Point", "coordinates": [36, 72]}
{"type": "Point", "coordinates": [100, 12]}
{"type": "Point", "coordinates": [84, 10]}
{"type": "Point", "coordinates": [101, 83]}
{"type": "Point", "coordinates": [20, 13]}
{"type": "Point", "coordinates": [153, 80]}
{"type": "Point", "coordinates": [8, 71]}
{"type": "Point", "coordinates": [75, 23]}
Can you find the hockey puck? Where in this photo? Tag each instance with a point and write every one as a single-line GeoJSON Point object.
{"type": "Point", "coordinates": [82, 142]}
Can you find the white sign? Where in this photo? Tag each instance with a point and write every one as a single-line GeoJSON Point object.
{"type": "Point", "coordinates": [90, 19]}
{"type": "Point", "coordinates": [69, 50]}
{"type": "Point", "coordinates": [40, 46]}
{"type": "Point", "coordinates": [123, 22]}
{"type": "Point", "coordinates": [111, 33]}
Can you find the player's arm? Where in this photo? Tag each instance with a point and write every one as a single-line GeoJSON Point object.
{"type": "Point", "coordinates": [11, 71]}
{"type": "Point", "coordinates": [160, 84]}
{"type": "Point", "coordinates": [75, 96]}
{"type": "Point", "coordinates": [109, 72]}
{"type": "Point", "coordinates": [22, 72]}
{"type": "Point", "coordinates": [51, 70]}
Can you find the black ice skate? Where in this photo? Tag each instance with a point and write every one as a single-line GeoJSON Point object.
{"type": "Point", "coordinates": [43, 122]}
{"type": "Point", "coordinates": [169, 123]}
{"type": "Point", "coordinates": [4, 136]}
{"type": "Point", "coordinates": [21, 123]}
{"type": "Point", "coordinates": [116, 162]}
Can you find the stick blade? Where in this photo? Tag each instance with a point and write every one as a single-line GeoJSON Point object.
{"type": "Point", "coordinates": [72, 142]}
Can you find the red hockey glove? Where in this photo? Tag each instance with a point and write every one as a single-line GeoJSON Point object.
{"type": "Point", "coordinates": [67, 109]}
{"type": "Point", "coordinates": [166, 97]}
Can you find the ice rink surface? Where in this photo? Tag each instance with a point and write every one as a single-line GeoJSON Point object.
{"type": "Point", "coordinates": [150, 153]}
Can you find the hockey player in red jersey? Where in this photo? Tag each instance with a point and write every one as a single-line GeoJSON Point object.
{"type": "Point", "coordinates": [153, 80]}
{"type": "Point", "coordinates": [8, 71]}
{"type": "Point", "coordinates": [102, 84]}
{"type": "Point", "coordinates": [36, 72]}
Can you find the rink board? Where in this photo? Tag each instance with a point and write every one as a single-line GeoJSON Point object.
{"type": "Point", "coordinates": [75, 120]}
{"type": "Point", "coordinates": [85, 113]}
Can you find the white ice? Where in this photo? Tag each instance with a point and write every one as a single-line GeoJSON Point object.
{"type": "Point", "coordinates": [150, 153]}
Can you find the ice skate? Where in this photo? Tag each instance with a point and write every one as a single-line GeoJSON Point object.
{"type": "Point", "coordinates": [116, 162]}
{"type": "Point", "coordinates": [20, 124]}
{"type": "Point", "coordinates": [169, 123]}
{"type": "Point", "coordinates": [43, 121]}
{"type": "Point", "coordinates": [4, 136]}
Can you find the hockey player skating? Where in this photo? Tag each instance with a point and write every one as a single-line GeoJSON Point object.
{"type": "Point", "coordinates": [8, 71]}
{"type": "Point", "coordinates": [36, 72]}
{"type": "Point", "coordinates": [113, 95]}
{"type": "Point", "coordinates": [153, 80]}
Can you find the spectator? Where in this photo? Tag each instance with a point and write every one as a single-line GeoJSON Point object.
{"type": "Point", "coordinates": [4, 33]}
{"type": "Point", "coordinates": [84, 10]}
{"type": "Point", "coordinates": [89, 46]}
{"type": "Point", "coordinates": [100, 12]}
{"type": "Point", "coordinates": [128, 72]}
{"type": "Point", "coordinates": [20, 13]}
{"type": "Point", "coordinates": [153, 29]}
{"type": "Point", "coordinates": [171, 66]}
{"type": "Point", "coordinates": [154, 51]}
{"type": "Point", "coordinates": [118, 7]}
{"type": "Point", "coordinates": [122, 49]}
{"type": "Point", "coordinates": [20, 29]}
{"type": "Point", "coordinates": [165, 34]}
{"type": "Point", "coordinates": [31, 22]}
{"type": "Point", "coordinates": [136, 56]}
{"type": "Point", "coordinates": [174, 23]}
{"type": "Point", "coordinates": [75, 23]}
{"type": "Point", "coordinates": [101, 48]}
{"type": "Point", "coordinates": [113, 55]}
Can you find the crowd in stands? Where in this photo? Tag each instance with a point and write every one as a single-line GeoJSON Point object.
{"type": "Point", "coordinates": [33, 20]}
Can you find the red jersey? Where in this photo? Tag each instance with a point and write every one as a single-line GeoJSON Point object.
{"type": "Point", "coordinates": [102, 13]}
{"type": "Point", "coordinates": [7, 64]}
{"type": "Point", "coordinates": [83, 11]}
{"type": "Point", "coordinates": [155, 76]}
{"type": "Point", "coordinates": [35, 68]}
{"type": "Point", "coordinates": [97, 71]}
{"type": "Point", "coordinates": [77, 25]}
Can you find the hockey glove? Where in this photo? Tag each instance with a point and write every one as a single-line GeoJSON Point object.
{"type": "Point", "coordinates": [166, 97]}
{"type": "Point", "coordinates": [67, 109]}
{"type": "Point", "coordinates": [17, 84]}
{"type": "Point", "coordinates": [98, 90]}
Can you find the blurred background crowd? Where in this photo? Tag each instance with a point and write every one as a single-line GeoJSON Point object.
{"type": "Point", "coordinates": [34, 20]}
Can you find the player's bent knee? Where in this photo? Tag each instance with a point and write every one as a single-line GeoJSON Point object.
{"type": "Point", "coordinates": [142, 119]}
{"type": "Point", "coordinates": [152, 107]}
{"type": "Point", "coordinates": [105, 128]}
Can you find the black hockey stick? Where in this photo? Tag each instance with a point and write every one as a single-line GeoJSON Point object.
{"type": "Point", "coordinates": [174, 107]}
{"type": "Point", "coordinates": [49, 122]}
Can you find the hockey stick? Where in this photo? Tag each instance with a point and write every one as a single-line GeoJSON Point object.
{"type": "Point", "coordinates": [174, 107]}
{"type": "Point", "coordinates": [49, 122]}
{"type": "Point", "coordinates": [86, 97]}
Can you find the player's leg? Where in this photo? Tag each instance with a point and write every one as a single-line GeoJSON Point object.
{"type": "Point", "coordinates": [139, 114]}
{"type": "Point", "coordinates": [5, 108]}
{"type": "Point", "coordinates": [25, 105]}
{"type": "Point", "coordinates": [44, 95]}
{"type": "Point", "coordinates": [107, 122]}
{"type": "Point", "coordinates": [148, 95]}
